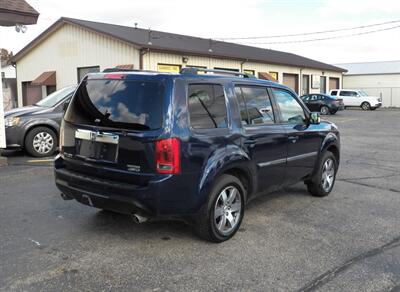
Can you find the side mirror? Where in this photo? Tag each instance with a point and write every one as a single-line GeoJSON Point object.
{"type": "Point", "coordinates": [315, 118]}
{"type": "Point", "coordinates": [65, 105]}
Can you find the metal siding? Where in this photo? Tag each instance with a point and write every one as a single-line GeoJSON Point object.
{"type": "Point", "coordinates": [71, 47]}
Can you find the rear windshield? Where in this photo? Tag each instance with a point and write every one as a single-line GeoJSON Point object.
{"type": "Point", "coordinates": [118, 104]}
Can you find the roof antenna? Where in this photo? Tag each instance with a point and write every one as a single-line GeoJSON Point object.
{"type": "Point", "coordinates": [136, 24]}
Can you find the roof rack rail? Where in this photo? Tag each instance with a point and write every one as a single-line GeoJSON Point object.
{"type": "Point", "coordinates": [195, 71]}
{"type": "Point", "coordinates": [115, 69]}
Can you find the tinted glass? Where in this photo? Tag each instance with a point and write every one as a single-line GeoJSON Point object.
{"type": "Point", "coordinates": [118, 103]}
{"type": "Point", "coordinates": [242, 105]}
{"type": "Point", "coordinates": [334, 92]}
{"type": "Point", "coordinates": [348, 93]}
{"type": "Point", "coordinates": [257, 105]}
{"type": "Point", "coordinates": [207, 107]}
{"type": "Point", "coordinates": [291, 110]}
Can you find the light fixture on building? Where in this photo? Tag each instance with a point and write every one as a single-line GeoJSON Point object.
{"type": "Point", "coordinates": [185, 60]}
{"type": "Point", "coordinates": [20, 28]}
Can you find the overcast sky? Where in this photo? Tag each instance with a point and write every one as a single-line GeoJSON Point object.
{"type": "Point", "coordinates": [244, 18]}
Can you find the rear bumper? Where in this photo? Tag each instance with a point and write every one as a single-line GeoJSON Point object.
{"type": "Point", "coordinates": [168, 195]}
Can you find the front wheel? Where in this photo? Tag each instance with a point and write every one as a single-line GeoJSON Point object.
{"type": "Point", "coordinates": [221, 216]}
{"type": "Point", "coordinates": [322, 182]}
{"type": "Point", "coordinates": [365, 106]}
{"type": "Point", "coordinates": [41, 142]}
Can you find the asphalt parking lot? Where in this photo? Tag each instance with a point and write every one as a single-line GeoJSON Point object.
{"type": "Point", "coordinates": [289, 241]}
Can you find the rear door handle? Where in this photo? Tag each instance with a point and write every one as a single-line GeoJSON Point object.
{"type": "Point", "coordinates": [293, 138]}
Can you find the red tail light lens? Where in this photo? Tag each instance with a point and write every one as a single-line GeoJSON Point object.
{"type": "Point", "coordinates": [168, 156]}
{"type": "Point", "coordinates": [114, 76]}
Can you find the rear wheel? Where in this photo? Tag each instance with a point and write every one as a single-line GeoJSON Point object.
{"type": "Point", "coordinates": [221, 216]}
{"type": "Point", "coordinates": [41, 142]}
{"type": "Point", "coordinates": [365, 106]}
{"type": "Point", "coordinates": [322, 182]}
{"type": "Point", "coordinates": [324, 110]}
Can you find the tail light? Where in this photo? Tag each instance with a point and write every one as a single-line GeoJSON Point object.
{"type": "Point", "coordinates": [168, 156]}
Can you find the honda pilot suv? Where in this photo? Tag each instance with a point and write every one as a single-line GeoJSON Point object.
{"type": "Point", "coordinates": [190, 146]}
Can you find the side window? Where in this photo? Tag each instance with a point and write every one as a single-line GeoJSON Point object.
{"type": "Point", "coordinates": [255, 105]}
{"type": "Point", "coordinates": [348, 93]}
{"type": "Point", "coordinates": [314, 97]}
{"type": "Point", "coordinates": [207, 107]}
{"type": "Point", "coordinates": [334, 92]}
{"type": "Point", "coordinates": [291, 110]}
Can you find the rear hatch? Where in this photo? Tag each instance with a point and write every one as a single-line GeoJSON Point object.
{"type": "Point", "coordinates": [111, 126]}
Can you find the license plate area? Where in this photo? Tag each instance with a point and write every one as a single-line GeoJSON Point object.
{"type": "Point", "coordinates": [96, 145]}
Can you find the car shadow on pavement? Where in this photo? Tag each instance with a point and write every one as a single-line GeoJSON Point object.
{"type": "Point", "coordinates": [124, 227]}
{"type": "Point", "coordinates": [121, 226]}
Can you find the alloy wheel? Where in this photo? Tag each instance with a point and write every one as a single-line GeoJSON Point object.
{"type": "Point", "coordinates": [324, 110]}
{"type": "Point", "coordinates": [328, 175]}
{"type": "Point", "coordinates": [43, 142]}
{"type": "Point", "coordinates": [227, 210]}
{"type": "Point", "coordinates": [365, 106]}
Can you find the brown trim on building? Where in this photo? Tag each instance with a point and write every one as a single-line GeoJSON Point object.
{"type": "Point", "coordinates": [46, 78]}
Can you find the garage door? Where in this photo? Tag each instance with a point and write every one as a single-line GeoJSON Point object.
{"type": "Point", "coordinates": [291, 80]}
{"type": "Point", "coordinates": [31, 94]}
{"type": "Point", "coordinates": [333, 83]}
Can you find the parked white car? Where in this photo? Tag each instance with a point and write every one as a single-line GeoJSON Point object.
{"type": "Point", "coordinates": [357, 98]}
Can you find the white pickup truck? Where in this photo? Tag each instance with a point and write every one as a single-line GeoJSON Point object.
{"type": "Point", "coordinates": [357, 98]}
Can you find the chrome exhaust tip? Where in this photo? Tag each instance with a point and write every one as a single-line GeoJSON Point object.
{"type": "Point", "coordinates": [139, 219]}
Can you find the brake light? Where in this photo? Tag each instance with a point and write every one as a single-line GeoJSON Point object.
{"type": "Point", "coordinates": [114, 76]}
{"type": "Point", "coordinates": [168, 156]}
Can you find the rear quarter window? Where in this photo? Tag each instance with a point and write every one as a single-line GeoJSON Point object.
{"type": "Point", "coordinates": [207, 106]}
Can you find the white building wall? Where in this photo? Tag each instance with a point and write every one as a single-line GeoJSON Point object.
{"type": "Point", "coordinates": [386, 86]}
{"type": "Point", "coordinates": [67, 49]}
{"type": "Point", "coordinates": [152, 59]}
{"type": "Point", "coordinates": [9, 71]}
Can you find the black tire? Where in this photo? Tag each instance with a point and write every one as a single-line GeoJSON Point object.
{"type": "Point", "coordinates": [373, 108]}
{"type": "Point", "coordinates": [29, 140]}
{"type": "Point", "coordinates": [324, 110]}
{"type": "Point", "coordinates": [206, 225]}
{"type": "Point", "coordinates": [315, 184]}
{"type": "Point", "coordinates": [365, 106]}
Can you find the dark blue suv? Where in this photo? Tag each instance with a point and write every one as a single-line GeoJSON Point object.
{"type": "Point", "coordinates": [190, 146]}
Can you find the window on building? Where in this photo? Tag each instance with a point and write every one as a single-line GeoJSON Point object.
{"type": "Point", "coordinates": [207, 107]}
{"type": "Point", "coordinates": [168, 68]}
{"type": "Point", "coordinates": [83, 71]}
{"type": "Point", "coordinates": [274, 75]}
{"type": "Point", "coordinates": [255, 105]}
{"type": "Point", "coordinates": [247, 71]}
{"type": "Point", "coordinates": [290, 109]}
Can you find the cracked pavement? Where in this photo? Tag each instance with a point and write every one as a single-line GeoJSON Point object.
{"type": "Point", "coordinates": [289, 241]}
